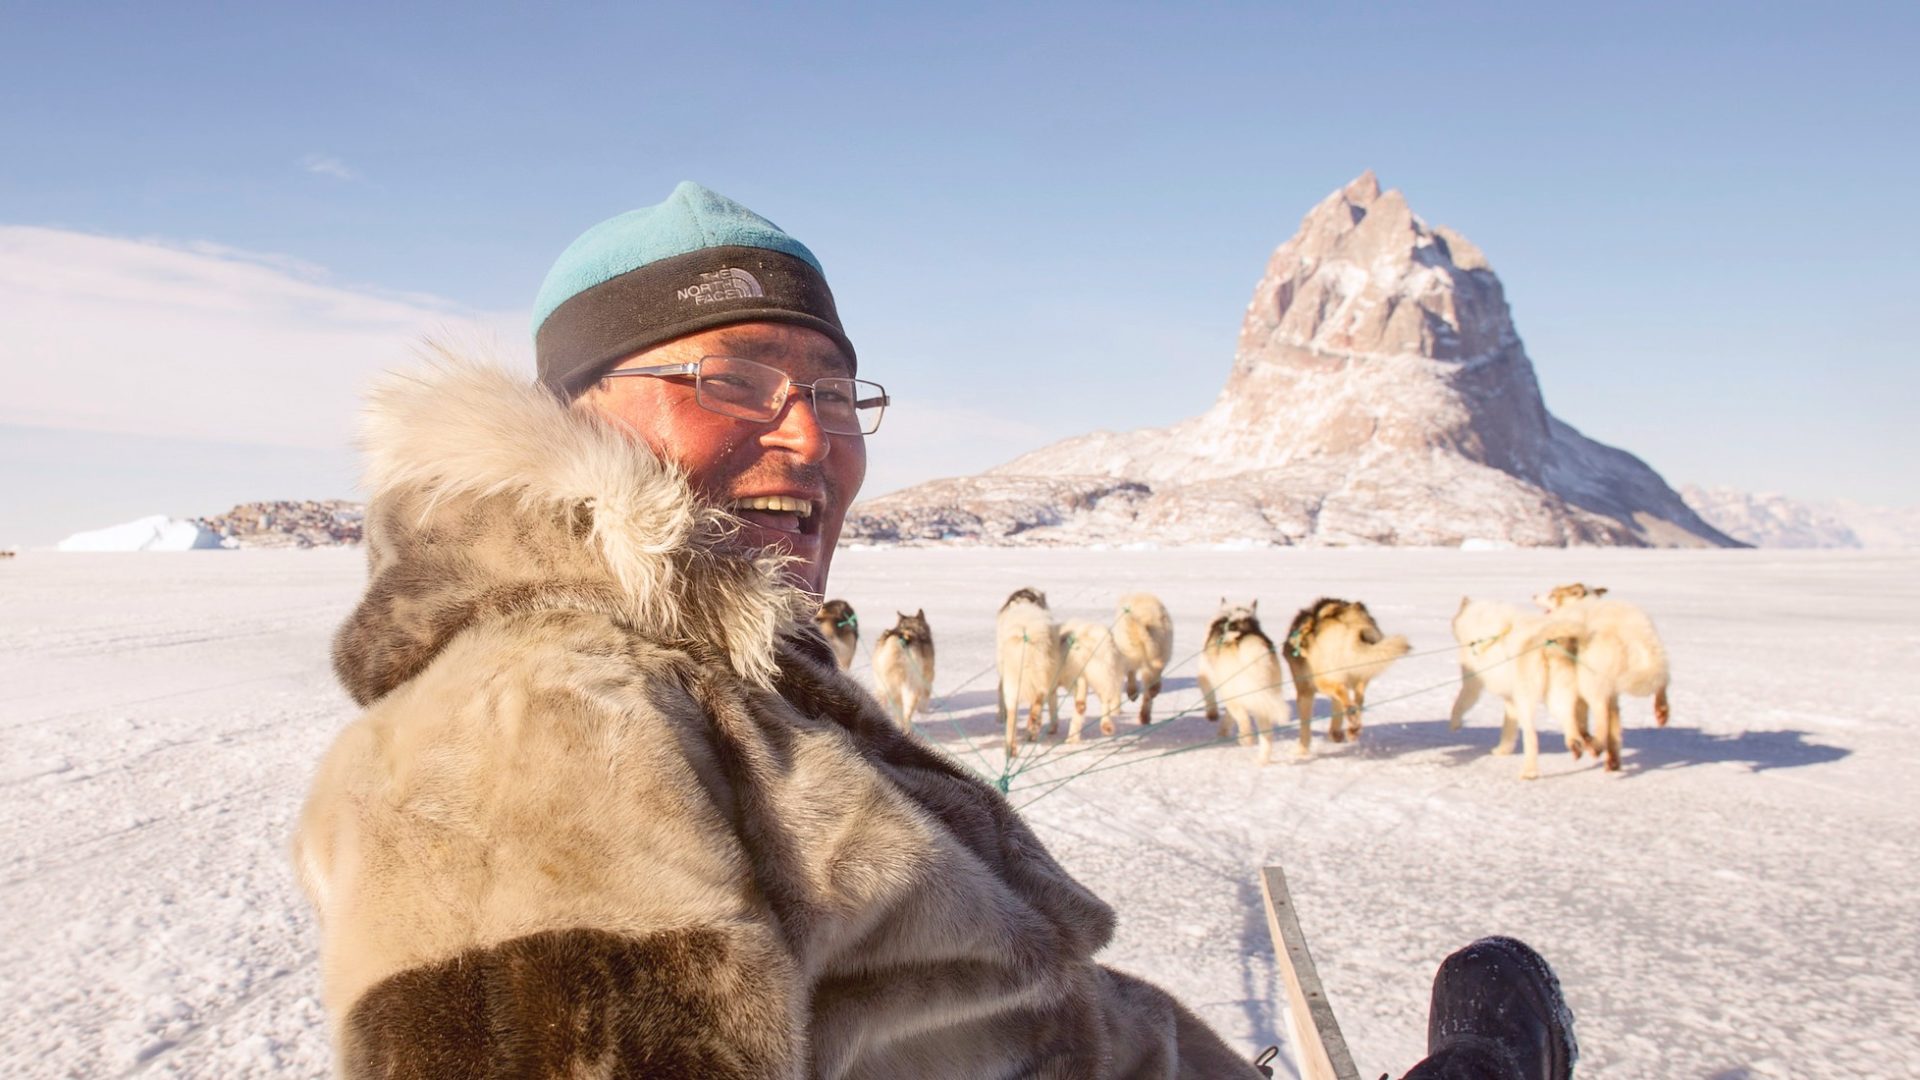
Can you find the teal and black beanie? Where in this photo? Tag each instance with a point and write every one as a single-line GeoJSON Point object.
{"type": "Point", "coordinates": [694, 262]}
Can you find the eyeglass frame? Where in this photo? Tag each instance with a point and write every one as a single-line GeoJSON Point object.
{"type": "Point", "coordinates": [668, 371]}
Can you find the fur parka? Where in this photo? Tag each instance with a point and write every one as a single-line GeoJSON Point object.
{"type": "Point", "coordinates": [611, 810]}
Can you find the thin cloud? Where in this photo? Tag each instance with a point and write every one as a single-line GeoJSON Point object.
{"type": "Point", "coordinates": [325, 165]}
{"type": "Point", "coordinates": [107, 334]}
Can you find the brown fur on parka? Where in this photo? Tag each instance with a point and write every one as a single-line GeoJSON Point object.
{"type": "Point", "coordinates": [612, 812]}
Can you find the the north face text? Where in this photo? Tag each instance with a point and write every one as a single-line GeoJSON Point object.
{"type": "Point", "coordinates": [728, 284]}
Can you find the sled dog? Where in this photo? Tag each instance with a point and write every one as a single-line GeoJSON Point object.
{"type": "Point", "coordinates": [841, 627]}
{"type": "Point", "coordinates": [1568, 594]}
{"type": "Point", "coordinates": [1620, 653]}
{"type": "Point", "coordinates": [1144, 632]}
{"type": "Point", "coordinates": [1027, 651]}
{"type": "Point", "coordinates": [1238, 669]}
{"type": "Point", "coordinates": [1525, 659]}
{"type": "Point", "coordinates": [1090, 659]}
{"type": "Point", "coordinates": [903, 667]}
{"type": "Point", "coordinates": [1334, 647]}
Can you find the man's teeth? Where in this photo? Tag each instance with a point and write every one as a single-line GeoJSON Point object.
{"type": "Point", "coordinates": [780, 503]}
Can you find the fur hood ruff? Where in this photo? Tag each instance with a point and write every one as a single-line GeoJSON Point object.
{"type": "Point", "coordinates": [488, 496]}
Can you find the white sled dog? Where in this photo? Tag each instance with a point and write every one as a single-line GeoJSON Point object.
{"type": "Point", "coordinates": [1090, 659]}
{"type": "Point", "coordinates": [1620, 653]}
{"type": "Point", "coordinates": [903, 667]}
{"type": "Point", "coordinates": [1239, 669]}
{"type": "Point", "coordinates": [841, 627]}
{"type": "Point", "coordinates": [1144, 632]}
{"type": "Point", "coordinates": [1028, 655]}
{"type": "Point", "coordinates": [1524, 658]}
{"type": "Point", "coordinates": [1336, 648]}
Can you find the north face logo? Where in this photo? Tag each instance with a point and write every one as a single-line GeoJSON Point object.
{"type": "Point", "coordinates": [728, 284]}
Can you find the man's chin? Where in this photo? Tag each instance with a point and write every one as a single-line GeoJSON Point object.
{"type": "Point", "coordinates": [803, 548]}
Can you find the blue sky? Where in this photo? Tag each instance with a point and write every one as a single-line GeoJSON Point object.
{"type": "Point", "coordinates": [1036, 222]}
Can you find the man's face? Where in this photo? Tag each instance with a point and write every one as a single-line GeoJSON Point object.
{"type": "Point", "coordinates": [730, 461]}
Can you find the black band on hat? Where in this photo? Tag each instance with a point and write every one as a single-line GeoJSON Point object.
{"type": "Point", "coordinates": [676, 296]}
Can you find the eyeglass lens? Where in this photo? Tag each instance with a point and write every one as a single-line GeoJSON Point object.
{"type": "Point", "coordinates": [754, 391]}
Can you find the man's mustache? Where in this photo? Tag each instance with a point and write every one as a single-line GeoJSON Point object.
{"type": "Point", "coordinates": [800, 478]}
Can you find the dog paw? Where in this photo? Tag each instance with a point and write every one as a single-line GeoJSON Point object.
{"type": "Point", "coordinates": [1106, 727]}
{"type": "Point", "coordinates": [1502, 751]}
{"type": "Point", "coordinates": [1530, 773]}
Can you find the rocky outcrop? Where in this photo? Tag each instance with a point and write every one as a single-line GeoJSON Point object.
{"type": "Point", "coordinates": [1380, 394]}
{"type": "Point", "coordinates": [282, 524]}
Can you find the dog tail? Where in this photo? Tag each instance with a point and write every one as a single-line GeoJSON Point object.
{"type": "Point", "coordinates": [1387, 650]}
{"type": "Point", "coordinates": [1159, 644]}
{"type": "Point", "coordinates": [1660, 713]}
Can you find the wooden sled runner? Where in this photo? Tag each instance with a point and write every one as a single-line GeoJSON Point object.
{"type": "Point", "coordinates": [1319, 1050]}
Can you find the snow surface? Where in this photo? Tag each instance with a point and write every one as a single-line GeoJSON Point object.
{"type": "Point", "coordinates": [1739, 903]}
{"type": "Point", "coordinates": [156, 533]}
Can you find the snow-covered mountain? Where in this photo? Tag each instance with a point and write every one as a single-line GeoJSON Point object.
{"type": "Point", "coordinates": [155, 533]}
{"type": "Point", "coordinates": [282, 524]}
{"type": "Point", "coordinates": [1379, 395]}
{"type": "Point", "coordinates": [1775, 521]}
{"type": "Point", "coordinates": [1879, 526]}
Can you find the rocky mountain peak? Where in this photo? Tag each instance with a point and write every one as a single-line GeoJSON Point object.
{"type": "Point", "coordinates": [1379, 393]}
{"type": "Point", "coordinates": [1362, 189]}
{"type": "Point", "coordinates": [1366, 304]}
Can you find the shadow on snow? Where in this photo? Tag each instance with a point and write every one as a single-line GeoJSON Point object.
{"type": "Point", "coordinates": [970, 716]}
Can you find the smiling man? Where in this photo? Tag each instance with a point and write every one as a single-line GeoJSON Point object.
{"type": "Point", "coordinates": [611, 810]}
{"type": "Point", "coordinates": [773, 429]}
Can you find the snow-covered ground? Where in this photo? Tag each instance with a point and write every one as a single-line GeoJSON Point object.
{"type": "Point", "coordinates": [1740, 903]}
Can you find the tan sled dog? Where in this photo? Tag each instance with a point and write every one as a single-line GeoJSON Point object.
{"type": "Point", "coordinates": [1524, 658]}
{"type": "Point", "coordinates": [1620, 653]}
{"type": "Point", "coordinates": [1336, 648]}
{"type": "Point", "coordinates": [903, 667]}
{"type": "Point", "coordinates": [1144, 632]}
{"type": "Point", "coordinates": [1027, 652]}
{"type": "Point", "coordinates": [1239, 669]}
{"type": "Point", "coordinates": [841, 627]}
{"type": "Point", "coordinates": [1090, 660]}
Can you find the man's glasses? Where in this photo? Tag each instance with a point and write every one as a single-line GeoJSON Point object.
{"type": "Point", "coordinates": [745, 390]}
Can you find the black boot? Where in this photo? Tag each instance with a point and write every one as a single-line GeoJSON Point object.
{"type": "Point", "coordinates": [1497, 1014]}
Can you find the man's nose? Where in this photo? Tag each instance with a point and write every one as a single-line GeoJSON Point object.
{"type": "Point", "coordinates": [798, 429]}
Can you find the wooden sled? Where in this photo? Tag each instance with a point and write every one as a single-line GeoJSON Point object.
{"type": "Point", "coordinates": [1319, 1050]}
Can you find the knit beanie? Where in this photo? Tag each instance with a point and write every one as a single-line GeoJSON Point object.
{"type": "Point", "coordinates": [694, 262]}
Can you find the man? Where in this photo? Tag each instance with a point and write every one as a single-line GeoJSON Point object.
{"type": "Point", "coordinates": [611, 809]}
